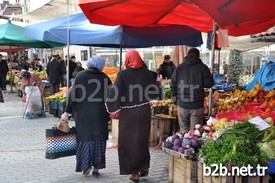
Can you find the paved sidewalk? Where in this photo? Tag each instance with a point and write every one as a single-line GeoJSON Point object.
{"type": "Point", "coordinates": [22, 155]}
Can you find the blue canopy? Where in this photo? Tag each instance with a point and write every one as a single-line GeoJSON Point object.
{"type": "Point", "coordinates": [82, 32]}
{"type": "Point", "coordinates": [265, 76]}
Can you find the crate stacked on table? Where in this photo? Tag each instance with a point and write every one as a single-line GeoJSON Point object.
{"type": "Point", "coordinates": [55, 104]}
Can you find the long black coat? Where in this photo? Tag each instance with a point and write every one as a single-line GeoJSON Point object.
{"type": "Point", "coordinates": [136, 87]}
{"type": "Point", "coordinates": [54, 71]}
{"type": "Point", "coordinates": [86, 102]}
{"type": "Point", "coordinates": [3, 67]}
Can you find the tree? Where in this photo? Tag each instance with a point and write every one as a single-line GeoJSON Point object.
{"type": "Point", "coordinates": [236, 66]}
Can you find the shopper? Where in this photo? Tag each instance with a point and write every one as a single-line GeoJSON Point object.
{"type": "Point", "coordinates": [30, 79]}
{"type": "Point", "coordinates": [90, 115]}
{"type": "Point", "coordinates": [187, 88]}
{"type": "Point", "coordinates": [72, 67]}
{"type": "Point", "coordinates": [130, 95]}
{"type": "Point", "coordinates": [167, 68]}
{"type": "Point", "coordinates": [54, 72]}
{"type": "Point", "coordinates": [77, 69]}
{"type": "Point", "coordinates": [63, 70]}
{"type": "Point", "coordinates": [3, 73]}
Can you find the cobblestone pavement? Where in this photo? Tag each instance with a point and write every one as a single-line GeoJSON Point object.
{"type": "Point", "coordinates": [22, 155]}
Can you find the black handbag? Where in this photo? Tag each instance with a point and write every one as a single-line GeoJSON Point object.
{"type": "Point", "coordinates": [60, 144]}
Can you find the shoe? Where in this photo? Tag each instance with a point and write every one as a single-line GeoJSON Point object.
{"type": "Point", "coordinates": [95, 172]}
{"type": "Point", "coordinates": [134, 177]}
{"type": "Point", "coordinates": [87, 172]}
{"type": "Point", "coordinates": [144, 173]}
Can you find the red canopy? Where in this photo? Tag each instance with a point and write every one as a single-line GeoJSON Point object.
{"type": "Point", "coordinates": [240, 17]}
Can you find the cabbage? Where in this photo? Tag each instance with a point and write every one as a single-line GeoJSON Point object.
{"type": "Point", "coordinates": [269, 149]}
{"type": "Point", "coordinates": [186, 142]}
{"type": "Point", "coordinates": [181, 150]}
{"type": "Point", "coordinates": [175, 137]}
{"type": "Point", "coordinates": [177, 142]}
{"type": "Point", "coordinates": [168, 145]}
{"type": "Point", "coordinates": [195, 144]}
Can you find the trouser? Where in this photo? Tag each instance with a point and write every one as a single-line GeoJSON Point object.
{"type": "Point", "coordinates": [54, 87]}
{"type": "Point", "coordinates": [3, 78]}
{"type": "Point", "coordinates": [1, 96]}
{"type": "Point", "coordinates": [188, 118]}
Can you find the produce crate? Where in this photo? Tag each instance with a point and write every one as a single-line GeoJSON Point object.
{"type": "Point", "coordinates": [46, 91]}
{"type": "Point", "coordinates": [181, 170]}
{"type": "Point", "coordinates": [160, 129]}
{"type": "Point", "coordinates": [228, 179]}
{"type": "Point", "coordinates": [160, 110]}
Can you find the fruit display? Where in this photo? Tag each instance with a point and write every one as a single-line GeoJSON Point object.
{"type": "Point", "coordinates": [158, 103]}
{"type": "Point", "coordinates": [164, 107]}
{"type": "Point", "coordinates": [60, 96]}
{"type": "Point", "coordinates": [111, 72]}
{"type": "Point", "coordinates": [256, 101]}
{"type": "Point", "coordinates": [42, 74]}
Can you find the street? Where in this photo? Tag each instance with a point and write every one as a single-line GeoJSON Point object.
{"type": "Point", "coordinates": [22, 153]}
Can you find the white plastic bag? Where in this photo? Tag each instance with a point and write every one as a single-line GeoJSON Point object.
{"type": "Point", "coordinates": [33, 102]}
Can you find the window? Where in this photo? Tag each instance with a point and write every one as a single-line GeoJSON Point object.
{"type": "Point", "coordinates": [84, 55]}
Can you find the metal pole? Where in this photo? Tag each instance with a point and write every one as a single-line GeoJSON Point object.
{"type": "Point", "coordinates": [219, 61]}
{"type": "Point", "coordinates": [68, 41]}
{"type": "Point", "coordinates": [120, 57]}
{"type": "Point", "coordinates": [212, 56]}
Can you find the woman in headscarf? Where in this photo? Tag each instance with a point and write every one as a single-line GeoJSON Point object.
{"type": "Point", "coordinates": [130, 95]}
{"type": "Point", "coordinates": [86, 102]}
{"type": "Point", "coordinates": [30, 79]}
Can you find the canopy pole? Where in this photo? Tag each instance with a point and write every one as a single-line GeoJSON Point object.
{"type": "Point", "coordinates": [219, 61]}
{"type": "Point", "coordinates": [68, 42]}
{"type": "Point", "coordinates": [120, 56]}
{"type": "Point", "coordinates": [212, 56]}
{"type": "Point", "coordinates": [11, 75]}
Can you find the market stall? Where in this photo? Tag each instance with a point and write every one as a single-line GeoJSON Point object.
{"type": "Point", "coordinates": [240, 134]}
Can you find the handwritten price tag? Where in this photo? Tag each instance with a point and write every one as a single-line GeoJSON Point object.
{"type": "Point", "coordinates": [259, 122]}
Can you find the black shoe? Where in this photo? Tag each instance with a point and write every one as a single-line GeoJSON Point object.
{"type": "Point", "coordinates": [144, 173]}
{"type": "Point", "coordinates": [95, 173]}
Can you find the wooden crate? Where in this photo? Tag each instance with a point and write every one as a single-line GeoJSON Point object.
{"type": "Point", "coordinates": [181, 170]}
{"type": "Point", "coordinates": [115, 123]}
{"type": "Point", "coordinates": [160, 130]}
{"type": "Point", "coordinates": [46, 91]}
{"type": "Point", "coordinates": [228, 179]}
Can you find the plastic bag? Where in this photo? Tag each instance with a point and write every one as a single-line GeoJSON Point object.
{"type": "Point", "coordinates": [34, 102]}
{"type": "Point", "coordinates": [223, 40]}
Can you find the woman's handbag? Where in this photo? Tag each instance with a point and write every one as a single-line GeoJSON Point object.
{"type": "Point", "coordinates": [60, 144]}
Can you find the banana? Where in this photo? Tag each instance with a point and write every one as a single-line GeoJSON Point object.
{"type": "Point", "coordinates": [270, 94]}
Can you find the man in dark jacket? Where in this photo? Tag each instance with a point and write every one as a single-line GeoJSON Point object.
{"type": "Point", "coordinates": [54, 72]}
{"type": "Point", "coordinates": [72, 67]}
{"type": "Point", "coordinates": [167, 68]}
{"type": "Point", "coordinates": [3, 73]}
{"type": "Point", "coordinates": [187, 88]}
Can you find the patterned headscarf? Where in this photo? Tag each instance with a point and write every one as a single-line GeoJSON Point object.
{"type": "Point", "coordinates": [133, 60]}
{"type": "Point", "coordinates": [96, 62]}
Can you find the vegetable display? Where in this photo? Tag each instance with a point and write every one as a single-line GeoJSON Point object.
{"type": "Point", "coordinates": [238, 145]}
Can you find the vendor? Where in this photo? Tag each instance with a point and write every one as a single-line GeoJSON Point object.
{"type": "Point", "coordinates": [187, 89]}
